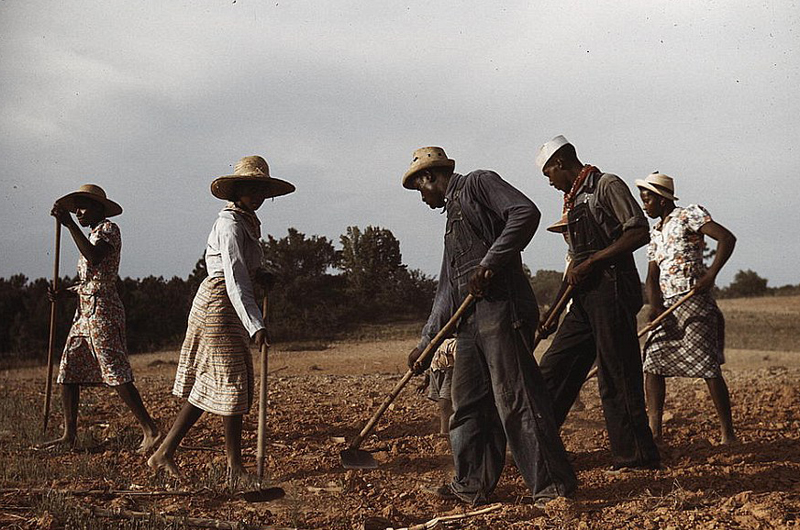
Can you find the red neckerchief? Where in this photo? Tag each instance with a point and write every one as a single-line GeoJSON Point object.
{"type": "Point", "coordinates": [569, 198]}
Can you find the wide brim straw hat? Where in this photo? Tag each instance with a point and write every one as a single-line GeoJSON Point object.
{"type": "Point", "coordinates": [426, 158]}
{"type": "Point", "coordinates": [250, 169]}
{"type": "Point", "coordinates": [92, 192]}
{"type": "Point", "coordinates": [658, 183]}
{"type": "Point", "coordinates": [560, 226]}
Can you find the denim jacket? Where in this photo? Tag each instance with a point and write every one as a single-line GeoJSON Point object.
{"type": "Point", "coordinates": [502, 220]}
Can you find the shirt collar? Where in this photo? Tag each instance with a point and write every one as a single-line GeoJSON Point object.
{"type": "Point", "coordinates": [452, 185]}
{"type": "Point", "coordinates": [663, 222]}
{"type": "Point", "coordinates": [585, 183]}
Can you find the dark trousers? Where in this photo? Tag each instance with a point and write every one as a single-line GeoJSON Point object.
{"type": "Point", "coordinates": [498, 395]}
{"type": "Point", "coordinates": [601, 326]}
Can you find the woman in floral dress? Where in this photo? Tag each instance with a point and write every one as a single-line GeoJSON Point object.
{"type": "Point", "coordinates": [95, 352]}
{"type": "Point", "coordinates": [690, 342]}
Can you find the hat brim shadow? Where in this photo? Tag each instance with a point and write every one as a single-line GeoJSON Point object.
{"type": "Point", "coordinates": [110, 207]}
{"type": "Point", "coordinates": [407, 177]}
{"type": "Point", "coordinates": [643, 184]}
{"type": "Point", "coordinates": [222, 187]}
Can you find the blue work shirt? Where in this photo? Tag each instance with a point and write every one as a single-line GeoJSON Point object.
{"type": "Point", "coordinates": [505, 220]}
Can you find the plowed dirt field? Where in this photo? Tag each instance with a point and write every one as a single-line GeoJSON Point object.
{"type": "Point", "coordinates": [319, 397]}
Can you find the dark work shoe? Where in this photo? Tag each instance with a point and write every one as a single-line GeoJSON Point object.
{"type": "Point", "coordinates": [443, 491]}
{"type": "Point", "coordinates": [446, 493]}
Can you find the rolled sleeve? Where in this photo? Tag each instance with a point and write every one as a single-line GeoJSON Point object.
{"type": "Point", "coordinates": [108, 232]}
{"type": "Point", "coordinates": [616, 196]}
{"type": "Point", "coordinates": [696, 216]}
{"type": "Point", "coordinates": [652, 247]}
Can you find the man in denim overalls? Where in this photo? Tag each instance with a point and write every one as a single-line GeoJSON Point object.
{"type": "Point", "coordinates": [605, 226]}
{"type": "Point", "coordinates": [497, 390]}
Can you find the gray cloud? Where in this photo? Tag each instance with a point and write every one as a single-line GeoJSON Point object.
{"type": "Point", "coordinates": [153, 100]}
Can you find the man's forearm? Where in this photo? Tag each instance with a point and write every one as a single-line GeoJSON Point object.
{"type": "Point", "coordinates": [629, 241]}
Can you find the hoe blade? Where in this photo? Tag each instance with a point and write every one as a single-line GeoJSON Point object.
{"type": "Point", "coordinates": [353, 458]}
{"type": "Point", "coordinates": [264, 495]}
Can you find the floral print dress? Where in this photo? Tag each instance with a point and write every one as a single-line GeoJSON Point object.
{"type": "Point", "coordinates": [96, 352]}
{"type": "Point", "coordinates": [690, 342]}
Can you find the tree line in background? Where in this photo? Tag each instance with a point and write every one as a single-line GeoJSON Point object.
{"type": "Point", "coordinates": [320, 293]}
{"type": "Point", "coordinates": [745, 284]}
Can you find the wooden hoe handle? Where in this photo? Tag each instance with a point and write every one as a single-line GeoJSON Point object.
{"type": "Point", "coordinates": [437, 340]}
{"type": "Point", "coordinates": [652, 325]}
{"type": "Point", "coordinates": [48, 389]}
{"type": "Point", "coordinates": [262, 398]}
{"type": "Point", "coordinates": [554, 314]}
{"type": "Point", "coordinates": [656, 321]}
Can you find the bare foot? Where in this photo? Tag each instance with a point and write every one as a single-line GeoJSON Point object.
{"type": "Point", "coordinates": [239, 477]}
{"type": "Point", "coordinates": [65, 441]}
{"type": "Point", "coordinates": [159, 461]}
{"type": "Point", "coordinates": [149, 441]}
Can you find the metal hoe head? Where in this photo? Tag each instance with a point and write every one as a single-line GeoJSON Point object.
{"type": "Point", "coordinates": [354, 458]}
{"type": "Point", "coordinates": [264, 495]}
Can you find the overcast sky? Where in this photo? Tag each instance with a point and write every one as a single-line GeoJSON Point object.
{"type": "Point", "coordinates": [152, 100]}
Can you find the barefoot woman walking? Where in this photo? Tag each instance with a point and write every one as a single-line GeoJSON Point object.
{"type": "Point", "coordinates": [690, 342]}
{"type": "Point", "coordinates": [215, 371]}
{"type": "Point", "coordinates": [95, 352]}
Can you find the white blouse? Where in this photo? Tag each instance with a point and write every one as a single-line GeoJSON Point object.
{"type": "Point", "coordinates": [234, 252]}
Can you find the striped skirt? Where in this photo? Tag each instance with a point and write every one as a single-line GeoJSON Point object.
{"type": "Point", "coordinates": [689, 342]}
{"type": "Point", "coordinates": [215, 371]}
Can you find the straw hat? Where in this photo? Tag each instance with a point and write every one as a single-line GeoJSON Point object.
{"type": "Point", "coordinates": [560, 226]}
{"type": "Point", "coordinates": [659, 184]}
{"type": "Point", "coordinates": [425, 158]}
{"type": "Point", "coordinates": [93, 192]}
{"type": "Point", "coordinates": [250, 169]}
{"type": "Point", "coordinates": [548, 149]}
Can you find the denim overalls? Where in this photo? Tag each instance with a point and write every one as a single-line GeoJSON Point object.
{"type": "Point", "coordinates": [497, 389]}
{"type": "Point", "coordinates": [601, 326]}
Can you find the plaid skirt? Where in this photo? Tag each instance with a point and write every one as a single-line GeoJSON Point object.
{"type": "Point", "coordinates": [215, 371]}
{"type": "Point", "coordinates": [689, 342]}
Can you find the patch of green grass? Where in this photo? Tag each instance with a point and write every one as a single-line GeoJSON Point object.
{"type": "Point", "coordinates": [28, 468]}
{"type": "Point", "coordinates": [64, 512]}
{"type": "Point", "coordinates": [22, 418]}
{"type": "Point", "coordinates": [215, 478]}
{"type": "Point", "coordinates": [761, 331]}
{"type": "Point", "coordinates": [123, 438]}
{"type": "Point", "coordinates": [31, 468]}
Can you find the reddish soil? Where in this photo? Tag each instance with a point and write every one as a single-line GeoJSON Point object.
{"type": "Point", "coordinates": [316, 398]}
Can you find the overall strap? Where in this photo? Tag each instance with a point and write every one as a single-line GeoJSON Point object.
{"type": "Point", "coordinates": [466, 215]}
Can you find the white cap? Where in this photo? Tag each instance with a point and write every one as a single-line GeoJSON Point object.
{"type": "Point", "coordinates": [547, 149]}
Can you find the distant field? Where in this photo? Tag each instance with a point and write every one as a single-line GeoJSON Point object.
{"type": "Point", "coordinates": [769, 323]}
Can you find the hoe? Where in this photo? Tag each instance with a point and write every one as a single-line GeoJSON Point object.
{"type": "Point", "coordinates": [355, 458]}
